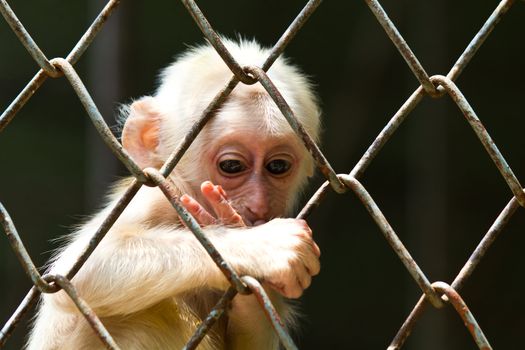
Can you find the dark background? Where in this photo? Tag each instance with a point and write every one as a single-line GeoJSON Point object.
{"type": "Point", "coordinates": [433, 181]}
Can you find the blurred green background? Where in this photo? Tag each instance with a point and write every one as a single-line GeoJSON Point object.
{"type": "Point", "coordinates": [433, 181]}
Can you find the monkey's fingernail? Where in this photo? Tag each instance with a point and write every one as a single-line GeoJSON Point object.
{"type": "Point", "coordinates": [317, 250]}
{"type": "Point", "coordinates": [206, 185]}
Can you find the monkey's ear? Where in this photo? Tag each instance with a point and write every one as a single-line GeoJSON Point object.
{"type": "Point", "coordinates": [140, 135]}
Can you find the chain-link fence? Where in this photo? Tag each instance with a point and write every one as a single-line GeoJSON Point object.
{"type": "Point", "coordinates": [436, 294]}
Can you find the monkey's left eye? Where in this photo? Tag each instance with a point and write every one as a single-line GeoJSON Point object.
{"type": "Point", "coordinates": [278, 166]}
{"type": "Point", "coordinates": [232, 166]}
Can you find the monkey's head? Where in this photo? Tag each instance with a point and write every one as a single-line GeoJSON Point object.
{"type": "Point", "coordinates": [248, 147]}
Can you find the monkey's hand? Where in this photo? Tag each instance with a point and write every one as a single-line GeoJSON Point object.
{"type": "Point", "coordinates": [218, 199]}
{"type": "Point", "coordinates": [285, 254]}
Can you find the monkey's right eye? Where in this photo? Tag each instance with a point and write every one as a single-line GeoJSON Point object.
{"type": "Point", "coordinates": [232, 166]}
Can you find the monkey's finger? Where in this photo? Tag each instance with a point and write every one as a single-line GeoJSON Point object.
{"type": "Point", "coordinates": [312, 264]}
{"type": "Point", "coordinates": [305, 227]}
{"type": "Point", "coordinates": [287, 284]}
{"type": "Point", "coordinates": [293, 286]}
{"type": "Point", "coordinates": [303, 275]}
{"type": "Point", "coordinates": [197, 210]}
{"type": "Point", "coordinates": [222, 208]}
{"type": "Point", "coordinates": [317, 250]}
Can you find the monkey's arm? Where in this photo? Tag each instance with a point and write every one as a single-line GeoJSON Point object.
{"type": "Point", "coordinates": [134, 268]}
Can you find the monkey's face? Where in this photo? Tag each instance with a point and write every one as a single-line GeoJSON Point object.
{"type": "Point", "coordinates": [259, 173]}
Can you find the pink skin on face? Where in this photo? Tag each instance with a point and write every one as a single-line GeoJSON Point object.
{"type": "Point", "coordinates": [256, 177]}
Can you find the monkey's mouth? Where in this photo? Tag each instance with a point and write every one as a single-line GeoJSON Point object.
{"type": "Point", "coordinates": [259, 222]}
{"type": "Point", "coordinates": [248, 217]}
{"type": "Point", "coordinates": [253, 221]}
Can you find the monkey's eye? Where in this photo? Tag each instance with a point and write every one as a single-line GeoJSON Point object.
{"type": "Point", "coordinates": [278, 166]}
{"type": "Point", "coordinates": [232, 166]}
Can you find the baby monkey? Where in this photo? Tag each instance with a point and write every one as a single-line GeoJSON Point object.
{"type": "Point", "coordinates": [149, 280]}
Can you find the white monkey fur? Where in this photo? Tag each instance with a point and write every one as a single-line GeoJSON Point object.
{"type": "Point", "coordinates": [149, 280]}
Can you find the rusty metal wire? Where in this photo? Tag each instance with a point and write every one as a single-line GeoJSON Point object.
{"type": "Point", "coordinates": [437, 293]}
{"type": "Point", "coordinates": [212, 317]}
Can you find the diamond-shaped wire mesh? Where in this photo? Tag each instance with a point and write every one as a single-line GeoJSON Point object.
{"type": "Point", "coordinates": [437, 294]}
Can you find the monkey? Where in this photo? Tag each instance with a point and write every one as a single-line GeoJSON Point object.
{"type": "Point", "coordinates": [149, 280]}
